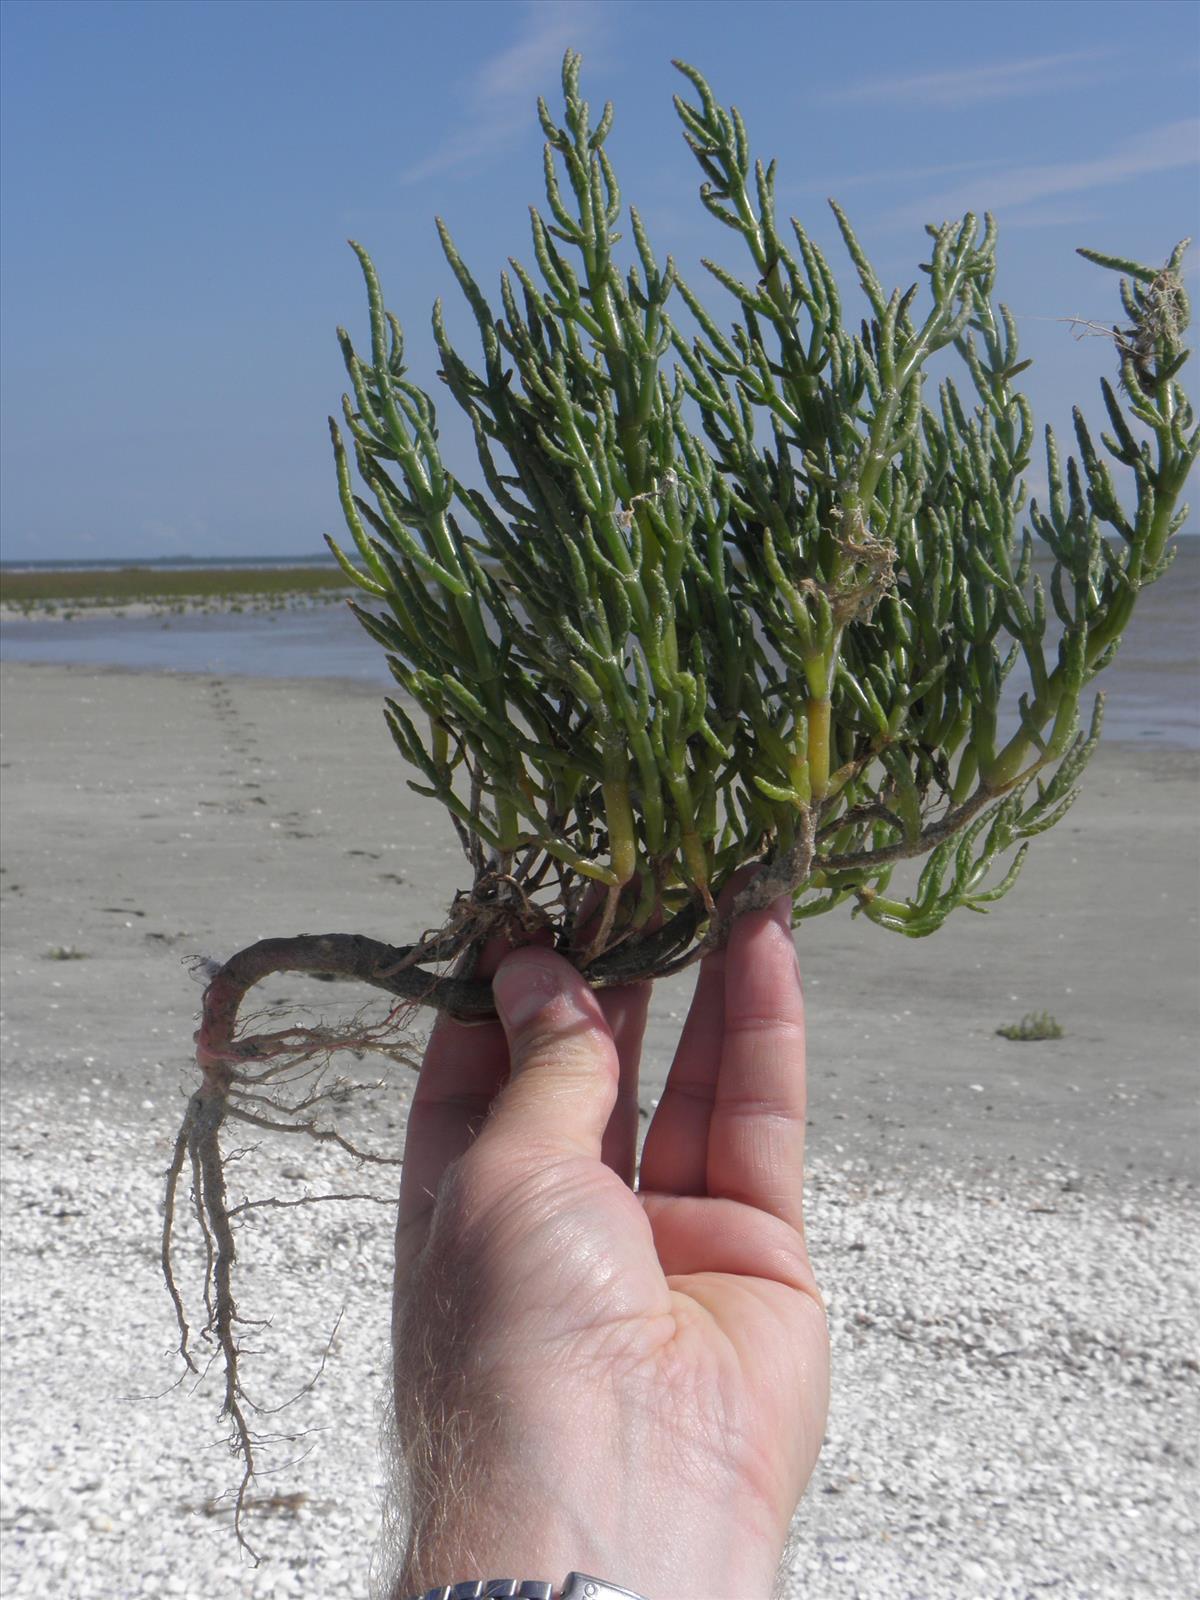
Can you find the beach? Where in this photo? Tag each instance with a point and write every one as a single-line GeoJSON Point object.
{"type": "Point", "coordinates": [1005, 1230]}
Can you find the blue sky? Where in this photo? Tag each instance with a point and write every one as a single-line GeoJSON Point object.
{"type": "Point", "coordinates": [179, 180]}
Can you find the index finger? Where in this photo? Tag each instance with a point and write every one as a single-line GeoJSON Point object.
{"type": "Point", "coordinates": [756, 1132]}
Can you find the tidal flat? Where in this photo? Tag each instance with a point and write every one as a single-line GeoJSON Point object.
{"type": "Point", "coordinates": [1004, 1230]}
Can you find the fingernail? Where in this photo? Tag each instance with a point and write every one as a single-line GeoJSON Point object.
{"type": "Point", "coordinates": [781, 912]}
{"type": "Point", "coordinates": [524, 984]}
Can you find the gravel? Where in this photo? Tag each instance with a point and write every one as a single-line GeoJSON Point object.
{"type": "Point", "coordinates": [1015, 1390]}
{"type": "Point", "coordinates": [1015, 1367]}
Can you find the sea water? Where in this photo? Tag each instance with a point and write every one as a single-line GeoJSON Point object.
{"type": "Point", "coordinates": [1152, 690]}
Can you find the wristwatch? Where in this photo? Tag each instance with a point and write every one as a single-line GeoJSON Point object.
{"type": "Point", "coordinates": [577, 1587]}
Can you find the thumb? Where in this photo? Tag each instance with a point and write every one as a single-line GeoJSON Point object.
{"type": "Point", "coordinates": [563, 1082]}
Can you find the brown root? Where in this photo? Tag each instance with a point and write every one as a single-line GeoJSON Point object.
{"type": "Point", "coordinates": [280, 1080]}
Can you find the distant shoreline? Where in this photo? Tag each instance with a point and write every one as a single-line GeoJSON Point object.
{"type": "Point", "coordinates": [67, 591]}
{"type": "Point", "coordinates": [314, 559]}
{"type": "Point", "coordinates": [317, 558]}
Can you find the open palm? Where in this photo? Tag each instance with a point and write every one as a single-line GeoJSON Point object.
{"type": "Point", "coordinates": [646, 1365]}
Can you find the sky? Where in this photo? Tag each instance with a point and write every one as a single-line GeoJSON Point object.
{"type": "Point", "coordinates": [179, 181]}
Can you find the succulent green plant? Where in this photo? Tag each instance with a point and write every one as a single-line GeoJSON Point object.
{"type": "Point", "coordinates": [722, 594]}
{"type": "Point", "coordinates": [744, 594]}
{"type": "Point", "coordinates": [1034, 1027]}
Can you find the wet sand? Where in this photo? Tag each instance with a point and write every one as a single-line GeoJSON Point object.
{"type": "Point", "coordinates": [151, 818]}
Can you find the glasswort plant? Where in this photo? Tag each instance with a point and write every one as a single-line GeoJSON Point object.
{"type": "Point", "coordinates": [730, 592]}
{"type": "Point", "coordinates": [646, 655]}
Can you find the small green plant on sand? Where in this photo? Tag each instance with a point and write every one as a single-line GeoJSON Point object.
{"type": "Point", "coordinates": [1032, 1028]}
{"type": "Point", "coordinates": [731, 586]}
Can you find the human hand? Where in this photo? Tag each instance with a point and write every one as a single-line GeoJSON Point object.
{"type": "Point", "coordinates": [630, 1383]}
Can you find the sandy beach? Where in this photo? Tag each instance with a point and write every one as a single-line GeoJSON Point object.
{"type": "Point", "coordinates": [1006, 1230]}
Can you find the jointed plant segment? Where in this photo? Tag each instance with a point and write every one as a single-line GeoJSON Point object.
{"type": "Point", "coordinates": [730, 592]}
{"type": "Point", "coordinates": [646, 654]}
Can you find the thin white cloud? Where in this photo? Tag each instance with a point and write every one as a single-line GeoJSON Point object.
{"type": "Point", "coordinates": [495, 105]}
{"type": "Point", "coordinates": [1053, 214]}
{"type": "Point", "coordinates": [1162, 149]}
{"type": "Point", "coordinates": [998, 80]}
{"type": "Point", "coordinates": [885, 177]}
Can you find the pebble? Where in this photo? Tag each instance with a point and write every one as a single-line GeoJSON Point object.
{"type": "Point", "coordinates": [1014, 1393]}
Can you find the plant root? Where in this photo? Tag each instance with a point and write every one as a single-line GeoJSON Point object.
{"type": "Point", "coordinates": [280, 1082]}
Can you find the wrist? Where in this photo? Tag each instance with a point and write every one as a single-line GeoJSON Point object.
{"type": "Point", "coordinates": [542, 1526]}
{"type": "Point", "coordinates": [578, 1586]}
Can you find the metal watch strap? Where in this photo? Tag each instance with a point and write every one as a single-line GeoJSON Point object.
{"type": "Point", "coordinates": [577, 1587]}
{"type": "Point", "coordinates": [488, 1588]}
